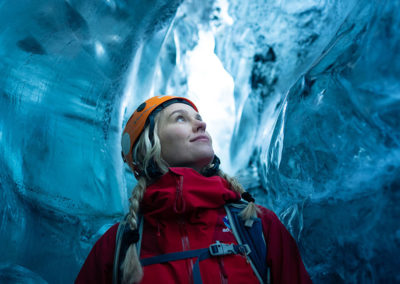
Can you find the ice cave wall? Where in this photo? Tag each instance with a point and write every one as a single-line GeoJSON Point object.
{"type": "Point", "coordinates": [306, 95]}
{"type": "Point", "coordinates": [64, 66]}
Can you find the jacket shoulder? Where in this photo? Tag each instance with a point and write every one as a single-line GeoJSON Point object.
{"type": "Point", "coordinates": [266, 214]}
{"type": "Point", "coordinates": [98, 266]}
{"type": "Point", "coordinates": [283, 256]}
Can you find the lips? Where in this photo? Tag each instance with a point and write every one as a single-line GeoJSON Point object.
{"type": "Point", "coordinates": [200, 138]}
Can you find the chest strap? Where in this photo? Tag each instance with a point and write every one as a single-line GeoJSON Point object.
{"type": "Point", "coordinates": [217, 249]}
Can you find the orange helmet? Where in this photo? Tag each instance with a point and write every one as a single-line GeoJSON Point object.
{"type": "Point", "coordinates": [137, 122]}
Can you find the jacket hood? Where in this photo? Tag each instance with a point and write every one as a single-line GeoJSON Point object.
{"type": "Point", "coordinates": [185, 191]}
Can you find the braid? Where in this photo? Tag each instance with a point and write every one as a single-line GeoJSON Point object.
{"type": "Point", "coordinates": [251, 210]}
{"type": "Point", "coordinates": [132, 271]}
{"type": "Point", "coordinates": [137, 196]}
{"type": "Point", "coordinates": [145, 152]}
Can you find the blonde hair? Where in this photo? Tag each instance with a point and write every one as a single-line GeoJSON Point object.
{"type": "Point", "coordinates": [146, 152]}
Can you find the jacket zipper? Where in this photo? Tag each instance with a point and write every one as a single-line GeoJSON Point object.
{"type": "Point", "coordinates": [222, 271]}
{"type": "Point", "coordinates": [179, 207]}
{"type": "Point", "coordinates": [179, 204]}
{"type": "Point", "coordinates": [186, 247]}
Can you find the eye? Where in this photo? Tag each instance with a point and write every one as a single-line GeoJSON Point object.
{"type": "Point", "coordinates": [180, 118]}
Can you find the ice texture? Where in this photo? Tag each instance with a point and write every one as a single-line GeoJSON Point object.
{"type": "Point", "coordinates": [17, 274]}
{"type": "Point", "coordinates": [63, 70]}
{"type": "Point", "coordinates": [302, 99]}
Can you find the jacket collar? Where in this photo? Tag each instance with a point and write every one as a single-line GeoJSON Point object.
{"type": "Point", "coordinates": [184, 191]}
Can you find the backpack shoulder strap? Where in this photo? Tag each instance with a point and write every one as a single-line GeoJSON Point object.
{"type": "Point", "coordinates": [118, 242]}
{"type": "Point", "coordinates": [250, 233]}
{"type": "Point", "coordinates": [121, 245]}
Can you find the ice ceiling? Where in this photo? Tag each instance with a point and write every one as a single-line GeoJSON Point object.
{"type": "Point", "coordinates": [302, 99]}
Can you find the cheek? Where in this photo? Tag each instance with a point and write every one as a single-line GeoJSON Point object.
{"type": "Point", "coordinates": [171, 138]}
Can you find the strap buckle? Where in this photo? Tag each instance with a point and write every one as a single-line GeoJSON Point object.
{"type": "Point", "coordinates": [224, 249]}
{"type": "Point", "coordinates": [244, 250]}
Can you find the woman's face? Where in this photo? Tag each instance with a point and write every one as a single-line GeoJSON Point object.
{"type": "Point", "coordinates": [183, 137]}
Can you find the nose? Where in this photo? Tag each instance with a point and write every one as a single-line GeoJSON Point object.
{"type": "Point", "coordinates": [199, 125]}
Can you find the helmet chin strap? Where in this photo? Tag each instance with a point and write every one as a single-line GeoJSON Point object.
{"type": "Point", "coordinates": [214, 167]}
{"type": "Point", "coordinates": [152, 170]}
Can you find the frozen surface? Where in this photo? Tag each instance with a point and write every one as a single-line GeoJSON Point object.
{"type": "Point", "coordinates": [301, 97]}
{"type": "Point", "coordinates": [63, 70]}
{"type": "Point", "coordinates": [17, 274]}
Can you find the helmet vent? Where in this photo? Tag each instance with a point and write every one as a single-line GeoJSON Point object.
{"type": "Point", "coordinates": [141, 107]}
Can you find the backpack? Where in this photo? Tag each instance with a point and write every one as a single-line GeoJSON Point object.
{"type": "Point", "coordinates": [249, 236]}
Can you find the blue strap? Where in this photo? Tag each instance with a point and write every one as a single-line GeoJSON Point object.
{"type": "Point", "coordinates": [196, 267]}
{"type": "Point", "coordinates": [162, 258]}
{"type": "Point", "coordinates": [254, 237]}
{"type": "Point", "coordinates": [201, 254]}
{"type": "Point", "coordinates": [217, 249]}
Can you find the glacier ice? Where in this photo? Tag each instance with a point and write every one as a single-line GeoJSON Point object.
{"type": "Point", "coordinates": [63, 64]}
{"type": "Point", "coordinates": [301, 97]}
{"type": "Point", "coordinates": [17, 274]}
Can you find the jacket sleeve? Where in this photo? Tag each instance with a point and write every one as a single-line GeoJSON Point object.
{"type": "Point", "coordinates": [283, 257]}
{"type": "Point", "coordinates": [98, 266]}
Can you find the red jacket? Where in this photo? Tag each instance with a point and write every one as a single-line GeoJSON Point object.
{"type": "Point", "coordinates": [184, 211]}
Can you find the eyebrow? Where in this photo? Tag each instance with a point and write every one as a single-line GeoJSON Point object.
{"type": "Point", "coordinates": [198, 116]}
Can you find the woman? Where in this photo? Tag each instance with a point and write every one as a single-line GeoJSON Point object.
{"type": "Point", "coordinates": [181, 195]}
